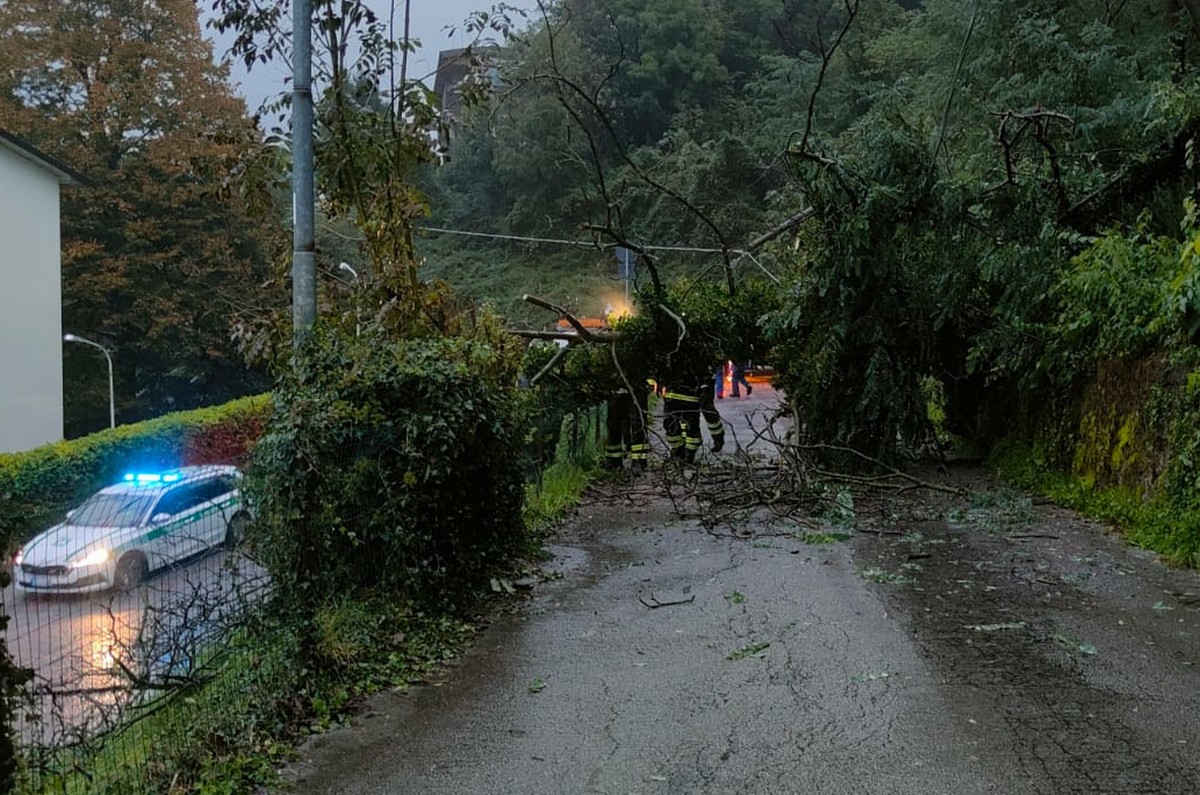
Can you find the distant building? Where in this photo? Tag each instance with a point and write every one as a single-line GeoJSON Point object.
{"type": "Point", "coordinates": [563, 326]}
{"type": "Point", "coordinates": [453, 67]}
{"type": "Point", "coordinates": [31, 346]}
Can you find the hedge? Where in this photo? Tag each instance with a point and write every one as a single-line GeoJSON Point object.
{"type": "Point", "coordinates": [38, 486]}
{"type": "Point", "coordinates": [390, 467]}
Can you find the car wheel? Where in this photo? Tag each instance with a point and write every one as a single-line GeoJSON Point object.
{"type": "Point", "coordinates": [131, 570]}
{"type": "Point", "coordinates": [235, 533]}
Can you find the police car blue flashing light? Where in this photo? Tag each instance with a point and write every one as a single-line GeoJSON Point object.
{"type": "Point", "coordinates": [144, 522]}
{"type": "Point", "coordinates": [151, 477]}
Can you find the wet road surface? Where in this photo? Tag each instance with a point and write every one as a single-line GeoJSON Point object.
{"type": "Point", "coordinates": [947, 644]}
{"type": "Point", "coordinates": [83, 648]}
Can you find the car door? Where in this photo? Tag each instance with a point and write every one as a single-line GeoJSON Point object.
{"type": "Point", "coordinates": [205, 518]}
{"type": "Point", "coordinates": [156, 542]}
{"type": "Point", "coordinates": [210, 507]}
{"type": "Point", "coordinates": [178, 530]}
{"type": "Point", "coordinates": [225, 505]}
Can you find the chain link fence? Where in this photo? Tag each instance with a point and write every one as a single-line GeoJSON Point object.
{"type": "Point", "coordinates": [132, 613]}
{"type": "Point", "coordinates": [124, 605]}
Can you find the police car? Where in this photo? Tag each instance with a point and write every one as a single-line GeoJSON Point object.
{"type": "Point", "coordinates": [123, 532]}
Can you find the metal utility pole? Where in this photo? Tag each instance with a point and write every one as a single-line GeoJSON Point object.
{"type": "Point", "coordinates": [626, 265]}
{"type": "Point", "coordinates": [304, 272]}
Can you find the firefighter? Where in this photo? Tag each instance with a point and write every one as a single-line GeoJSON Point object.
{"type": "Point", "coordinates": [681, 420]}
{"type": "Point", "coordinates": [623, 374]}
{"type": "Point", "coordinates": [712, 417]}
{"type": "Point", "coordinates": [683, 405]}
{"type": "Point", "coordinates": [625, 427]}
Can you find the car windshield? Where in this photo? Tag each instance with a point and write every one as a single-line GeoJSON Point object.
{"type": "Point", "coordinates": [112, 510]}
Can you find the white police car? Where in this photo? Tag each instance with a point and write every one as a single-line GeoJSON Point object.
{"type": "Point", "coordinates": [123, 532]}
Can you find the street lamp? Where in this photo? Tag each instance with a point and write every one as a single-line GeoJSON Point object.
{"type": "Point", "coordinates": [345, 266]}
{"type": "Point", "coordinates": [112, 404]}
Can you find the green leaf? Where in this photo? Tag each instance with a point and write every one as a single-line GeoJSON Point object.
{"type": "Point", "coordinates": [757, 649]}
{"type": "Point", "coordinates": [1083, 647]}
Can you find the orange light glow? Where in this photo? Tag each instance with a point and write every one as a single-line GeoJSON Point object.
{"type": "Point", "coordinates": [587, 322]}
{"type": "Point", "coordinates": [616, 306]}
{"type": "Point", "coordinates": [621, 309]}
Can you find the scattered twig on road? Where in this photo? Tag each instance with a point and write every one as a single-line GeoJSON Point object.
{"type": "Point", "coordinates": [888, 473]}
{"type": "Point", "coordinates": [773, 479]}
{"type": "Point", "coordinates": [654, 602]}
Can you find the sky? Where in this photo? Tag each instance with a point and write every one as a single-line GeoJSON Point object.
{"type": "Point", "coordinates": [430, 20]}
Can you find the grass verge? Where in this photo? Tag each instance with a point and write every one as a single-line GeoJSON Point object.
{"type": "Point", "coordinates": [1156, 523]}
{"type": "Point", "coordinates": [562, 485]}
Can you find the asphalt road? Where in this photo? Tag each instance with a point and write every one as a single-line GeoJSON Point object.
{"type": "Point", "coordinates": [978, 643]}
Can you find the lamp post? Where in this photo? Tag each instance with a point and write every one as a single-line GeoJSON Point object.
{"type": "Point", "coordinates": [112, 404]}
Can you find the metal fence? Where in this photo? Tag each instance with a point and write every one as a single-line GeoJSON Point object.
{"type": "Point", "coordinates": [121, 607]}
{"type": "Point", "coordinates": [131, 604]}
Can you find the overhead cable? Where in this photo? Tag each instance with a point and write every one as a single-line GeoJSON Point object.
{"type": "Point", "coordinates": [562, 242]}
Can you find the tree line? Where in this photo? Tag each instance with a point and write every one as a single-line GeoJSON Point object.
{"type": "Point", "coordinates": [163, 255]}
{"type": "Point", "coordinates": [992, 184]}
{"type": "Point", "coordinates": [977, 174]}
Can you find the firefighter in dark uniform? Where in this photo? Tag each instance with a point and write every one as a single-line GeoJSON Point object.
{"type": "Point", "coordinates": [681, 421]}
{"type": "Point", "coordinates": [625, 427]}
{"type": "Point", "coordinates": [684, 404]}
{"type": "Point", "coordinates": [712, 417]}
{"type": "Point", "coordinates": [682, 363]}
{"type": "Point", "coordinates": [623, 374]}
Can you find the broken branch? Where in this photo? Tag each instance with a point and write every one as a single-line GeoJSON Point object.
{"type": "Point", "coordinates": [558, 355]}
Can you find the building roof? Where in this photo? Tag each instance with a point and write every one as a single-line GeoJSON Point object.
{"type": "Point", "coordinates": [586, 322]}
{"type": "Point", "coordinates": [453, 67]}
{"type": "Point", "coordinates": [66, 175]}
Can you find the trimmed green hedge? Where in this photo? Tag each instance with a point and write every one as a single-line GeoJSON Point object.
{"type": "Point", "coordinates": [37, 486]}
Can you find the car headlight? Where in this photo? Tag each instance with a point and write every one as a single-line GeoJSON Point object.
{"type": "Point", "coordinates": [17, 558]}
{"type": "Point", "coordinates": [93, 558]}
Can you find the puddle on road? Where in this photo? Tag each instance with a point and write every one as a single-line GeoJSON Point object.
{"type": "Point", "coordinates": [584, 564]}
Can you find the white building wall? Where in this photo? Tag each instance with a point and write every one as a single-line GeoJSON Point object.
{"type": "Point", "coordinates": [31, 382]}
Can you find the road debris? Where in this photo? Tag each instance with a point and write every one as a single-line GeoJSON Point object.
{"type": "Point", "coordinates": [667, 599]}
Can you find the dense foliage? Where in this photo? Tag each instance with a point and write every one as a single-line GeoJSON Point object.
{"type": "Point", "coordinates": [390, 466]}
{"type": "Point", "coordinates": [995, 187]}
{"type": "Point", "coordinates": [161, 255]}
{"type": "Point", "coordinates": [982, 200]}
